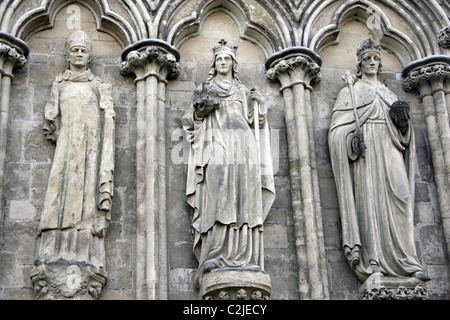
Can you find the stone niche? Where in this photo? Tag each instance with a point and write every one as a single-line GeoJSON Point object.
{"type": "Point", "coordinates": [197, 55]}
{"type": "Point", "coordinates": [70, 279]}
{"type": "Point", "coordinates": [337, 59]}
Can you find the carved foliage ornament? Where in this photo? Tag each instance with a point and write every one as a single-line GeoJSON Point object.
{"type": "Point", "coordinates": [400, 293]}
{"type": "Point", "coordinates": [8, 53]}
{"type": "Point", "coordinates": [135, 59]}
{"type": "Point", "coordinates": [311, 68]}
{"type": "Point", "coordinates": [13, 55]}
{"type": "Point", "coordinates": [425, 74]}
{"type": "Point", "coordinates": [444, 38]}
{"type": "Point", "coordinates": [238, 294]}
{"type": "Point", "coordinates": [62, 280]}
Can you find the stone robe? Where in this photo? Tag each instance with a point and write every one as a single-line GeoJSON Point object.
{"type": "Point", "coordinates": [230, 191]}
{"type": "Point", "coordinates": [375, 193]}
{"type": "Point", "coordinates": [77, 205]}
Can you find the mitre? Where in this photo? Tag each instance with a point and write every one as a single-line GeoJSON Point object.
{"type": "Point", "coordinates": [78, 38]}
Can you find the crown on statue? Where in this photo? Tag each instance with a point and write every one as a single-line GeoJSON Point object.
{"type": "Point", "coordinates": [368, 45]}
{"type": "Point", "coordinates": [222, 47]}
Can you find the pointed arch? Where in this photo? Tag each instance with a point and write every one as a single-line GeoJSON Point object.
{"type": "Point", "coordinates": [382, 30]}
{"type": "Point", "coordinates": [269, 36]}
{"type": "Point", "coordinates": [36, 19]}
{"type": "Point", "coordinates": [417, 39]}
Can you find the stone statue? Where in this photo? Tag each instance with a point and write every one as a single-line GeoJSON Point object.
{"type": "Point", "coordinates": [372, 150]}
{"type": "Point", "coordinates": [230, 180]}
{"type": "Point", "coordinates": [79, 119]}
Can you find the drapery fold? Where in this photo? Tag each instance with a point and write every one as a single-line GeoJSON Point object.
{"type": "Point", "coordinates": [375, 193]}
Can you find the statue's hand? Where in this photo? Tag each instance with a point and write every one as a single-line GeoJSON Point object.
{"type": "Point", "coordinates": [358, 145]}
{"type": "Point", "coordinates": [256, 96]}
{"type": "Point", "coordinates": [400, 114]}
{"type": "Point", "coordinates": [50, 130]}
{"type": "Point", "coordinates": [205, 107]}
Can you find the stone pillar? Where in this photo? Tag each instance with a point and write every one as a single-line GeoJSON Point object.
{"type": "Point", "coordinates": [297, 68]}
{"type": "Point", "coordinates": [13, 53]}
{"type": "Point", "coordinates": [152, 61]}
{"type": "Point", "coordinates": [431, 77]}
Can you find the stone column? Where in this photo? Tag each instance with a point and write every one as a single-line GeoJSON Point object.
{"type": "Point", "coordinates": [13, 53]}
{"type": "Point", "coordinates": [431, 77]}
{"type": "Point", "coordinates": [152, 61]}
{"type": "Point", "coordinates": [297, 68]}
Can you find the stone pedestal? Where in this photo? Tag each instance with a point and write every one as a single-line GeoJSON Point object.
{"type": "Point", "coordinates": [379, 287]}
{"type": "Point", "coordinates": [67, 280]}
{"type": "Point", "coordinates": [235, 284]}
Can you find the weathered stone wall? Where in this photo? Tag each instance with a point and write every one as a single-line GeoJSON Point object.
{"type": "Point", "coordinates": [29, 155]}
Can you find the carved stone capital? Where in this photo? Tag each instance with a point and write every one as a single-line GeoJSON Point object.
{"type": "Point", "coordinates": [66, 280]}
{"type": "Point", "coordinates": [379, 287]}
{"type": "Point", "coordinates": [444, 38]}
{"type": "Point", "coordinates": [425, 70]}
{"type": "Point", "coordinates": [235, 284]}
{"type": "Point", "coordinates": [150, 57]}
{"type": "Point", "coordinates": [295, 65]}
{"type": "Point", "coordinates": [14, 51]}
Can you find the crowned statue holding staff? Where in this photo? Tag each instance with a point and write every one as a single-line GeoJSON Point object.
{"type": "Point", "coordinates": [230, 180]}
{"type": "Point", "coordinates": [372, 149]}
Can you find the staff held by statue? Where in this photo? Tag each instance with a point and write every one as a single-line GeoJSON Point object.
{"type": "Point", "coordinates": [357, 136]}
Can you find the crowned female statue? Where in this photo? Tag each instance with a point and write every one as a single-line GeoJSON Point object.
{"type": "Point", "coordinates": [230, 181]}
{"type": "Point", "coordinates": [372, 150]}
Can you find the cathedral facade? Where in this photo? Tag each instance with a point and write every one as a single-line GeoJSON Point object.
{"type": "Point", "coordinates": [147, 63]}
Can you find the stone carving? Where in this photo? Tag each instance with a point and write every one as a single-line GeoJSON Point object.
{"type": "Point", "coordinates": [152, 61]}
{"type": "Point", "coordinates": [379, 287]}
{"type": "Point", "coordinates": [162, 60]}
{"type": "Point", "coordinates": [230, 181]}
{"type": "Point", "coordinates": [62, 279]}
{"type": "Point", "coordinates": [8, 53]}
{"type": "Point", "coordinates": [429, 77]}
{"type": "Point", "coordinates": [311, 71]}
{"type": "Point", "coordinates": [298, 69]}
{"type": "Point", "coordinates": [426, 73]}
{"type": "Point", "coordinates": [235, 284]}
{"type": "Point", "coordinates": [373, 156]}
{"type": "Point", "coordinates": [13, 55]}
{"type": "Point", "coordinates": [444, 38]}
{"type": "Point", "coordinates": [79, 118]}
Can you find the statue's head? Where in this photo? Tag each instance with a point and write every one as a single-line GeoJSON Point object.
{"type": "Point", "coordinates": [221, 52]}
{"type": "Point", "coordinates": [367, 49]}
{"type": "Point", "coordinates": [78, 47]}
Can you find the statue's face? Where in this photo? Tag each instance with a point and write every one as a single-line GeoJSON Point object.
{"type": "Point", "coordinates": [78, 56]}
{"type": "Point", "coordinates": [370, 63]}
{"type": "Point", "coordinates": [224, 63]}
